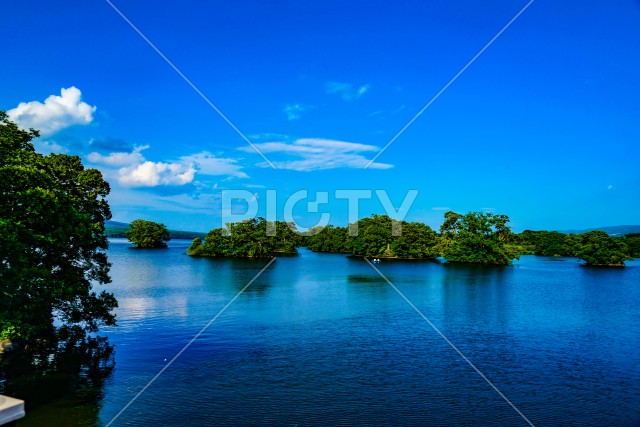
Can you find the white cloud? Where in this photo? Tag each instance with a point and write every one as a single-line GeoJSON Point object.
{"type": "Point", "coordinates": [152, 174]}
{"type": "Point", "coordinates": [207, 164]}
{"type": "Point", "coordinates": [346, 90]}
{"type": "Point", "coordinates": [610, 187]}
{"type": "Point", "coordinates": [294, 111]}
{"type": "Point", "coordinates": [318, 154]}
{"type": "Point", "coordinates": [362, 90]}
{"type": "Point", "coordinates": [57, 112]}
{"type": "Point", "coordinates": [132, 169]}
{"type": "Point", "coordinates": [118, 159]}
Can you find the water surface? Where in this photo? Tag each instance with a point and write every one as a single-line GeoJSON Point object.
{"type": "Point", "coordinates": [322, 339]}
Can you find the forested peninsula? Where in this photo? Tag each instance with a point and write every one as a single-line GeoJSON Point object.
{"type": "Point", "coordinates": [474, 238]}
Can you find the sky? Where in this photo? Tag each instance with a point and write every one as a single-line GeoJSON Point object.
{"type": "Point", "coordinates": [543, 125]}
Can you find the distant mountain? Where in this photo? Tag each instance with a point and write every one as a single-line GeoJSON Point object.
{"type": "Point", "coordinates": [119, 229]}
{"type": "Point", "coordinates": [614, 230]}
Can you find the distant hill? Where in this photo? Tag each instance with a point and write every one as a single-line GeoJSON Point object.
{"type": "Point", "coordinates": [119, 229]}
{"type": "Point", "coordinates": [614, 230]}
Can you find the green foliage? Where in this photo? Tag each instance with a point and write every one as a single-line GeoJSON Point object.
{"type": "Point", "coordinates": [375, 238]}
{"type": "Point", "coordinates": [633, 243]}
{"type": "Point", "coordinates": [119, 229]}
{"type": "Point", "coordinates": [248, 239]}
{"type": "Point", "coordinates": [52, 241]}
{"type": "Point", "coordinates": [416, 241]}
{"type": "Point", "coordinates": [477, 237]}
{"type": "Point", "coordinates": [550, 243]}
{"type": "Point", "coordinates": [196, 247]}
{"type": "Point", "coordinates": [329, 239]}
{"type": "Point", "coordinates": [598, 248]}
{"type": "Point", "coordinates": [148, 234]}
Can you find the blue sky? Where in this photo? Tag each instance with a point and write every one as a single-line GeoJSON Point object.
{"type": "Point", "coordinates": [544, 126]}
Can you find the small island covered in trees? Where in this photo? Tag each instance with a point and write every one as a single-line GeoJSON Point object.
{"type": "Point", "coordinates": [474, 238]}
{"type": "Point", "coordinates": [148, 234]}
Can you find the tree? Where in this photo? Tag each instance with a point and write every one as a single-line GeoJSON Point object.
{"type": "Point", "coordinates": [248, 238]}
{"type": "Point", "coordinates": [375, 235]}
{"type": "Point", "coordinates": [417, 240]}
{"type": "Point", "coordinates": [52, 242]}
{"type": "Point", "coordinates": [598, 248]}
{"type": "Point", "coordinates": [216, 243]}
{"type": "Point", "coordinates": [148, 234]}
{"type": "Point", "coordinates": [550, 243]}
{"type": "Point", "coordinates": [329, 239]}
{"type": "Point", "coordinates": [633, 242]}
{"type": "Point", "coordinates": [196, 248]}
{"type": "Point", "coordinates": [476, 237]}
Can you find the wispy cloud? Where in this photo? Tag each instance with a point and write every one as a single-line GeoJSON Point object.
{"type": "Point", "coordinates": [268, 136]}
{"type": "Point", "coordinates": [55, 114]}
{"type": "Point", "coordinates": [294, 111]}
{"type": "Point", "coordinates": [207, 163]}
{"type": "Point", "coordinates": [347, 91]}
{"type": "Point", "coordinates": [441, 208]}
{"type": "Point", "coordinates": [309, 154]}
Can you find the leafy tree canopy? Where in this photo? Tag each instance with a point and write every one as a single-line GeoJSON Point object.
{"type": "Point", "coordinates": [633, 242]}
{"type": "Point", "coordinates": [251, 238]}
{"type": "Point", "coordinates": [550, 243]}
{"type": "Point", "coordinates": [476, 237]}
{"type": "Point", "coordinates": [329, 239]}
{"type": "Point", "coordinates": [381, 236]}
{"type": "Point", "coordinates": [148, 234]}
{"type": "Point", "coordinates": [598, 248]}
{"type": "Point", "coordinates": [52, 243]}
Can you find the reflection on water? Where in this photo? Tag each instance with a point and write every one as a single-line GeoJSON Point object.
{"type": "Point", "coordinates": [322, 339]}
{"type": "Point", "coordinates": [60, 381]}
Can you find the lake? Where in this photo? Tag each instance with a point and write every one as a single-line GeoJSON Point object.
{"type": "Point", "coordinates": [322, 339]}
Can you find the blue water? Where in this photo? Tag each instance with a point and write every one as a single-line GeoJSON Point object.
{"type": "Point", "coordinates": [322, 339]}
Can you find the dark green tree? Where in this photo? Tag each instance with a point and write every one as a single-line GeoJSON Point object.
{"type": "Point", "coordinates": [378, 236]}
{"type": "Point", "coordinates": [196, 248]}
{"type": "Point", "coordinates": [251, 238]}
{"type": "Point", "coordinates": [633, 242]}
{"type": "Point", "coordinates": [476, 237]}
{"type": "Point", "coordinates": [217, 243]}
{"type": "Point", "coordinates": [417, 240]}
{"type": "Point", "coordinates": [148, 234]}
{"type": "Point", "coordinates": [550, 243]}
{"type": "Point", "coordinates": [329, 239]}
{"type": "Point", "coordinates": [598, 248]}
{"type": "Point", "coordinates": [52, 242]}
{"type": "Point", "coordinates": [375, 235]}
